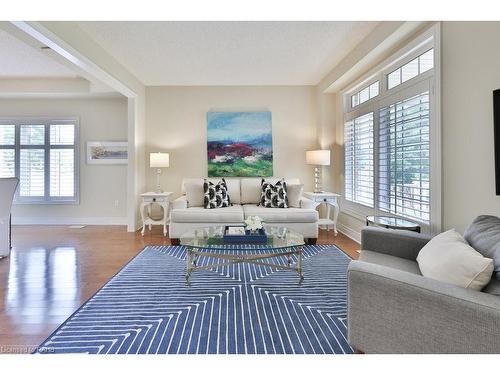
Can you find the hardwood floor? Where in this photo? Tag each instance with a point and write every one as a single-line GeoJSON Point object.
{"type": "Point", "coordinates": [53, 270]}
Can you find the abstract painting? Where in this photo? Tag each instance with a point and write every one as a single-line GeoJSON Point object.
{"type": "Point", "coordinates": [239, 144]}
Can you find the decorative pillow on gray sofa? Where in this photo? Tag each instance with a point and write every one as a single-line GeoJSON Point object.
{"type": "Point", "coordinates": [484, 236]}
{"type": "Point", "coordinates": [447, 257]}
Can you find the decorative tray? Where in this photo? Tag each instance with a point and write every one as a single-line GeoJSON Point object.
{"type": "Point", "coordinates": [230, 237]}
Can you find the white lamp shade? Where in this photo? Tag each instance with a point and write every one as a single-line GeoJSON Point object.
{"type": "Point", "coordinates": [318, 157]}
{"type": "Point", "coordinates": [159, 160]}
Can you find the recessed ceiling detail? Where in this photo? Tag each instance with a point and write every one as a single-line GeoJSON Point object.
{"type": "Point", "coordinates": [21, 60]}
{"type": "Point", "coordinates": [228, 53]}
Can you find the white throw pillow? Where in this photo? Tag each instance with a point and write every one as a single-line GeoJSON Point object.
{"type": "Point", "coordinates": [447, 257]}
{"type": "Point", "coordinates": [294, 193]}
{"type": "Point", "coordinates": [195, 194]}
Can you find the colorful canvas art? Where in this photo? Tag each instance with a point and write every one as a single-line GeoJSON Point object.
{"type": "Point", "coordinates": [239, 144]}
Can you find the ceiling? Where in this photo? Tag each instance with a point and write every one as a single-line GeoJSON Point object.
{"type": "Point", "coordinates": [228, 53]}
{"type": "Point", "coordinates": [20, 60]}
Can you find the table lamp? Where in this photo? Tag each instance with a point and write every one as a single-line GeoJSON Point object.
{"type": "Point", "coordinates": [159, 160]}
{"type": "Point", "coordinates": [318, 158]}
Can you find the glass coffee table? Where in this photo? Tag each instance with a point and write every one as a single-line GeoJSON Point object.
{"type": "Point", "coordinates": [209, 242]}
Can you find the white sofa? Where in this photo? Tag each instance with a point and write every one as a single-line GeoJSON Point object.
{"type": "Point", "coordinates": [245, 195]}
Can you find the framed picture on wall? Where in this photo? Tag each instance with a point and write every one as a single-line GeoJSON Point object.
{"type": "Point", "coordinates": [107, 152]}
{"type": "Point", "coordinates": [239, 144]}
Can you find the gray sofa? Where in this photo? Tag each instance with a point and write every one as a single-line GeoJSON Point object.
{"type": "Point", "coordinates": [392, 308]}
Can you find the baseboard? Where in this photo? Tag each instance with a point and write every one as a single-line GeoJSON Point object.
{"type": "Point", "coordinates": [44, 220]}
{"type": "Point", "coordinates": [349, 232]}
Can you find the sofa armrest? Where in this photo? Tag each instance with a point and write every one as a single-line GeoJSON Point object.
{"type": "Point", "coordinates": [307, 203]}
{"type": "Point", "coordinates": [400, 243]}
{"type": "Point", "coordinates": [180, 203]}
{"type": "Point", "coordinates": [392, 311]}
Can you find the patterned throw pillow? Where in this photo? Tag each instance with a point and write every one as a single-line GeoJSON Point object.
{"type": "Point", "coordinates": [273, 196]}
{"type": "Point", "coordinates": [216, 195]}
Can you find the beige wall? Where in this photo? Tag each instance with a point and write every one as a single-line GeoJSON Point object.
{"type": "Point", "coordinates": [100, 186]}
{"type": "Point", "coordinates": [471, 71]}
{"type": "Point", "coordinates": [326, 109]}
{"type": "Point", "coordinates": [176, 123]}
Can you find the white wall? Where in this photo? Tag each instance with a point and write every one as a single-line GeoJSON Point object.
{"type": "Point", "coordinates": [100, 186]}
{"type": "Point", "coordinates": [471, 71]}
{"type": "Point", "coordinates": [176, 123]}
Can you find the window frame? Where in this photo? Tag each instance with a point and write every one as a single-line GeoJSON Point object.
{"type": "Point", "coordinates": [360, 88]}
{"type": "Point", "coordinates": [427, 81]}
{"type": "Point", "coordinates": [46, 121]}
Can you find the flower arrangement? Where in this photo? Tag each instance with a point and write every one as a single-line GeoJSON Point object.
{"type": "Point", "coordinates": [254, 223]}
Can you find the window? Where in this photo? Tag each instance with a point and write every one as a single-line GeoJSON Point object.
{"type": "Point", "coordinates": [415, 67]}
{"type": "Point", "coordinates": [358, 142]}
{"type": "Point", "coordinates": [391, 143]}
{"type": "Point", "coordinates": [369, 92]}
{"type": "Point", "coordinates": [43, 155]}
{"type": "Point", "coordinates": [404, 160]}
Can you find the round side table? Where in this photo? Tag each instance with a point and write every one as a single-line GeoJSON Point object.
{"type": "Point", "coordinates": [148, 199]}
{"type": "Point", "coordinates": [391, 222]}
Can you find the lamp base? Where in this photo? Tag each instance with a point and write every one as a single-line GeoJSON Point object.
{"type": "Point", "coordinates": [317, 180]}
{"type": "Point", "coordinates": [158, 187]}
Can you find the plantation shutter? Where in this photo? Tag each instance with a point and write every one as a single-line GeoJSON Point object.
{"type": "Point", "coordinates": [358, 146]}
{"type": "Point", "coordinates": [43, 156]}
{"type": "Point", "coordinates": [62, 160]}
{"type": "Point", "coordinates": [32, 173]}
{"type": "Point", "coordinates": [32, 161]}
{"type": "Point", "coordinates": [404, 158]}
{"type": "Point", "coordinates": [7, 151]}
{"type": "Point", "coordinates": [62, 171]}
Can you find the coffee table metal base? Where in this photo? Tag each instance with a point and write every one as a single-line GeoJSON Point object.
{"type": "Point", "coordinates": [228, 259]}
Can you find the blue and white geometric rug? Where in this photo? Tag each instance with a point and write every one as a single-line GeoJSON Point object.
{"type": "Point", "coordinates": [243, 308]}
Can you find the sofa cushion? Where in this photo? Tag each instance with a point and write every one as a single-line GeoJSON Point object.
{"type": "Point", "coordinates": [233, 187]}
{"type": "Point", "coordinates": [391, 261]}
{"type": "Point", "coordinates": [294, 194]}
{"type": "Point", "coordinates": [216, 195]}
{"type": "Point", "coordinates": [231, 214]}
{"type": "Point", "coordinates": [194, 193]}
{"type": "Point", "coordinates": [447, 257]}
{"type": "Point", "coordinates": [251, 188]}
{"type": "Point", "coordinates": [281, 215]}
{"type": "Point", "coordinates": [273, 195]}
{"type": "Point", "coordinates": [484, 235]}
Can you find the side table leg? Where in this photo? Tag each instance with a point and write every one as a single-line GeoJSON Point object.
{"type": "Point", "coordinates": [165, 215]}
{"type": "Point", "coordinates": [150, 208]}
{"type": "Point", "coordinates": [335, 216]}
{"type": "Point", "coordinates": [327, 216]}
{"type": "Point", "coordinates": [143, 219]}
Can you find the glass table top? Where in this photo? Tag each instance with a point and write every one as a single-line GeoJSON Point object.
{"type": "Point", "coordinates": [393, 222]}
{"type": "Point", "coordinates": [213, 238]}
